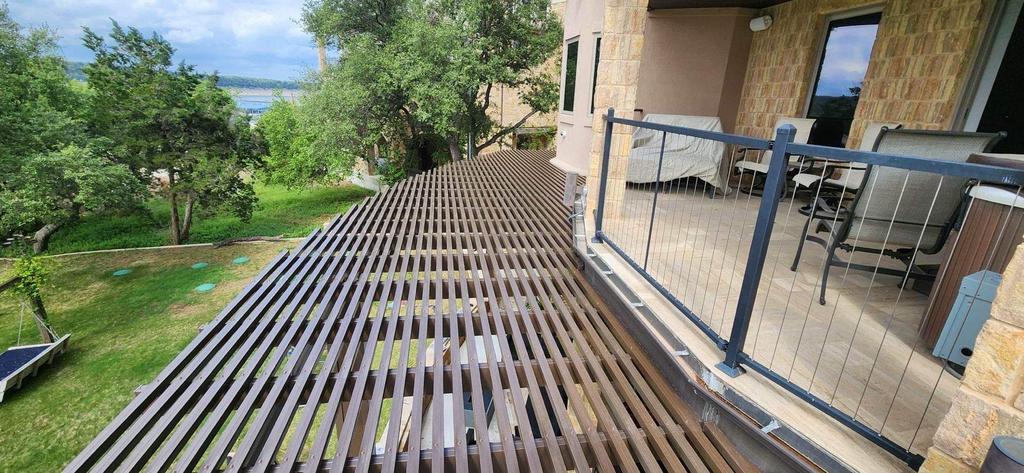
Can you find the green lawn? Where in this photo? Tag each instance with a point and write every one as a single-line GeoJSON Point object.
{"type": "Point", "coordinates": [281, 211]}
{"type": "Point", "coordinates": [124, 331]}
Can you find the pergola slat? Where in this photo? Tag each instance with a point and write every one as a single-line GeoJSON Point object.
{"type": "Point", "coordinates": [440, 325]}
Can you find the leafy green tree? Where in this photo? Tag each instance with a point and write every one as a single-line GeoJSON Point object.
{"type": "Point", "coordinates": [30, 275]}
{"type": "Point", "coordinates": [471, 47]}
{"type": "Point", "coordinates": [416, 75]}
{"type": "Point", "coordinates": [50, 170]}
{"type": "Point", "coordinates": [334, 22]}
{"type": "Point", "coordinates": [288, 146]}
{"type": "Point", "coordinates": [51, 189]}
{"type": "Point", "coordinates": [171, 123]}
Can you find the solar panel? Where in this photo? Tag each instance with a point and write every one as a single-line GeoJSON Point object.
{"type": "Point", "coordinates": [16, 357]}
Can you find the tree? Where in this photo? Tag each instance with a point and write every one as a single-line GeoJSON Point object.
{"type": "Point", "coordinates": [171, 121]}
{"type": "Point", "coordinates": [50, 169]}
{"type": "Point", "coordinates": [474, 46]}
{"type": "Point", "coordinates": [288, 144]}
{"type": "Point", "coordinates": [51, 189]}
{"type": "Point", "coordinates": [333, 22]}
{"type": "Point", "coordinates": [30, 275]}
{"type": "Point", "coordinates": [416, 75]}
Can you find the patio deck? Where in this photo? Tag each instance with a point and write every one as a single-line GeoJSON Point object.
{"type": "Point", "coordinates": [441, 325]}
{"type": "Point", "coordinates": [854, 352]}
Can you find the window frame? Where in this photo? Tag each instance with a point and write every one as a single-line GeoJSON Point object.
{"type": "Point", "coordinates": [823, 43]}
{"type": "Point", "coordinates": [597, 63]}
{"type": "Point", "coordinates": [987, 63]}
{"type": "Point", "coordinates": [565, 75]}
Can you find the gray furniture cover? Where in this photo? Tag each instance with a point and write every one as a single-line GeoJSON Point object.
{"type": "Point", "coordinates": [685, 156]}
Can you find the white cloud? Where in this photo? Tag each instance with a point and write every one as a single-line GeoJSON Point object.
{"type": "Point", "coordinates": [846, 58]}
{"type": "Point", "coordinates": [188, 34]}
{"type": "Point", "coordinates": [248, 24]}
{"type": "Point", "coordinates": [239, 37]}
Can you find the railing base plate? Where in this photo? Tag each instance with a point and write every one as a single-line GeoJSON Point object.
{"type": "Point", "coordinates": [729, 370]}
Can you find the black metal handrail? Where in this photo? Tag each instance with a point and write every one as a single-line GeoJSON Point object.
{"type": "Point", "coordinates": [774, 190]}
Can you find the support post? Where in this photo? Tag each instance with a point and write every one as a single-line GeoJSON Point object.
{"type": "Point", "coordinates": [603, 190]}
{"type": "Point", "coordinates": [654, 205]}
{"type": "Point", "coordinates": [774, 184]}
{"type": "Point", "coordinates": [42, 321]}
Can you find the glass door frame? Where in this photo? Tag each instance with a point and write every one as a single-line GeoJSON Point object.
{"type": "Point", "coordinates": [823, 43]}
{"type": "Point", "coordinates": [990, 57]}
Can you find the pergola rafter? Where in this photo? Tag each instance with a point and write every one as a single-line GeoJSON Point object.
{"type": "Point", "coordinates": [441, 324]}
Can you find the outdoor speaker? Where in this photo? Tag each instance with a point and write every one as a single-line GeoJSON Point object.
{"type": "Point", "coordinates": [761, 23]}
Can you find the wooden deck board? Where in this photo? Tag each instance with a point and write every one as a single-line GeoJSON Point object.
{"type": "Point", "coordinates": [449, 302]}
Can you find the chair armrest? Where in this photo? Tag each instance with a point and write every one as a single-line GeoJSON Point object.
{"type": "Point", "coordinates": [741, 152]}
{"type": "Point", "coordinates": [844, 166]}
{"type": "Point", "coordinates": [821, 209]}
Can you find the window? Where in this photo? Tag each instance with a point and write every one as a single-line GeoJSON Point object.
{"type": "Point", "coordinates": [836, 91]}
{"type": "Point", "coordinates": [572, 52]}
{"type": "Point", "coordinates": [593, 84]}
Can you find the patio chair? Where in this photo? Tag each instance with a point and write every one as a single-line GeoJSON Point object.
{"type": "Point", "coordinates": [852, 172]}
{"type": "Point", "coordinates": [894, 215]}
{"type": "Point", "coordinates": [759, 168]}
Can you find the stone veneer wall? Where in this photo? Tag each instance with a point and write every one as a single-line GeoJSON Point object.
{"type": "Point", "coordinates": [920, 63]}
{"type": "Point", "coordinates": [990, 400]}
{"type": "Point", "coordinates": [508, 109]}
{"type": "Point", "coordinates": [622, 42]}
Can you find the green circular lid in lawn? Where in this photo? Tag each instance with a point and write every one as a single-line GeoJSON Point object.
{"type": "Point", "coordinates": [205, 287]}
{"type": "Point", "coordinates": [200, 265]}
{"type": "Point", "coordinates": [241, 260]}
{"type": "Point", "coordinates": [122, 272]}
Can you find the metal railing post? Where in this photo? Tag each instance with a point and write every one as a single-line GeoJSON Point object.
{"type": "Point", "coordinates": [654, 205]}
{"type": "Point", "coordinates": [603, 190]}
{"type": "Point", "coordinates": [773, 189]}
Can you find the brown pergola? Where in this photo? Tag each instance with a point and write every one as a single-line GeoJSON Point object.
{"type": "Point", "coordinates": [441, 324]}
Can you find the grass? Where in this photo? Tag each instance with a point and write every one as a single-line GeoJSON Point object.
{"type": "Point", "coordinates": [124, 331]}
{"type": "Point", "coordinates": [281, 211]}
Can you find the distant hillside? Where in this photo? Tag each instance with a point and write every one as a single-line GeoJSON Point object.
{"type": "Point", "coordinates": [255, 83]}
{"type": "Point", "coordinates": [75, 71]}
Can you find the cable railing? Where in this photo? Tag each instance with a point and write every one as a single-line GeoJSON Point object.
{"type": "Point", "coordinates": [828, 271]}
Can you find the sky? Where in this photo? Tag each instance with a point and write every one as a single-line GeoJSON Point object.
{"type": "Point", "coordinates": [846, 59]}
{"type": "Point", "coordinates": [254, 38]}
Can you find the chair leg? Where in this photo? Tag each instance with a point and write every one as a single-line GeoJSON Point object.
{"type": "Point", "coordinates": [828, 266]}
{"type": "Point", "coordinates": [800, 244]}
{"type": "Point", "coordinates": [909, 262]}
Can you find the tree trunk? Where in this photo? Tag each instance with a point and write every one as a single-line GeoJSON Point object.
{"type": "Point", "coordinates": [175, 221]}
{"type": "Point", "coordinates": [454, 148]}
{"type": "Point", "coordinates": [497, 136]}
{"type": "Point", "coordinates": [41, 239]}
{"type": "Point", "coordinates": [42, 322]}
{"type": "Point", "coordinates": [186, 226]}
{"type": "Point", "coordinates": [321, 53]}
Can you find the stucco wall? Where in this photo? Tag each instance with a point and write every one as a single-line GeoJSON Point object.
{"type": "Point", "coordinates": [694, 62]}
{"type": "Point", "coordinates": [680, 61]}
{"type": "Point", "coordinates": [584, 19]}
{"type": "Point", "coordinates": [920, 63]}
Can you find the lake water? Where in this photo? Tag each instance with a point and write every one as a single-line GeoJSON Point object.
{"type": "Point", "coordinates": [254, 102]}
{"type": "Point", "coordinates": [257, 101]}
